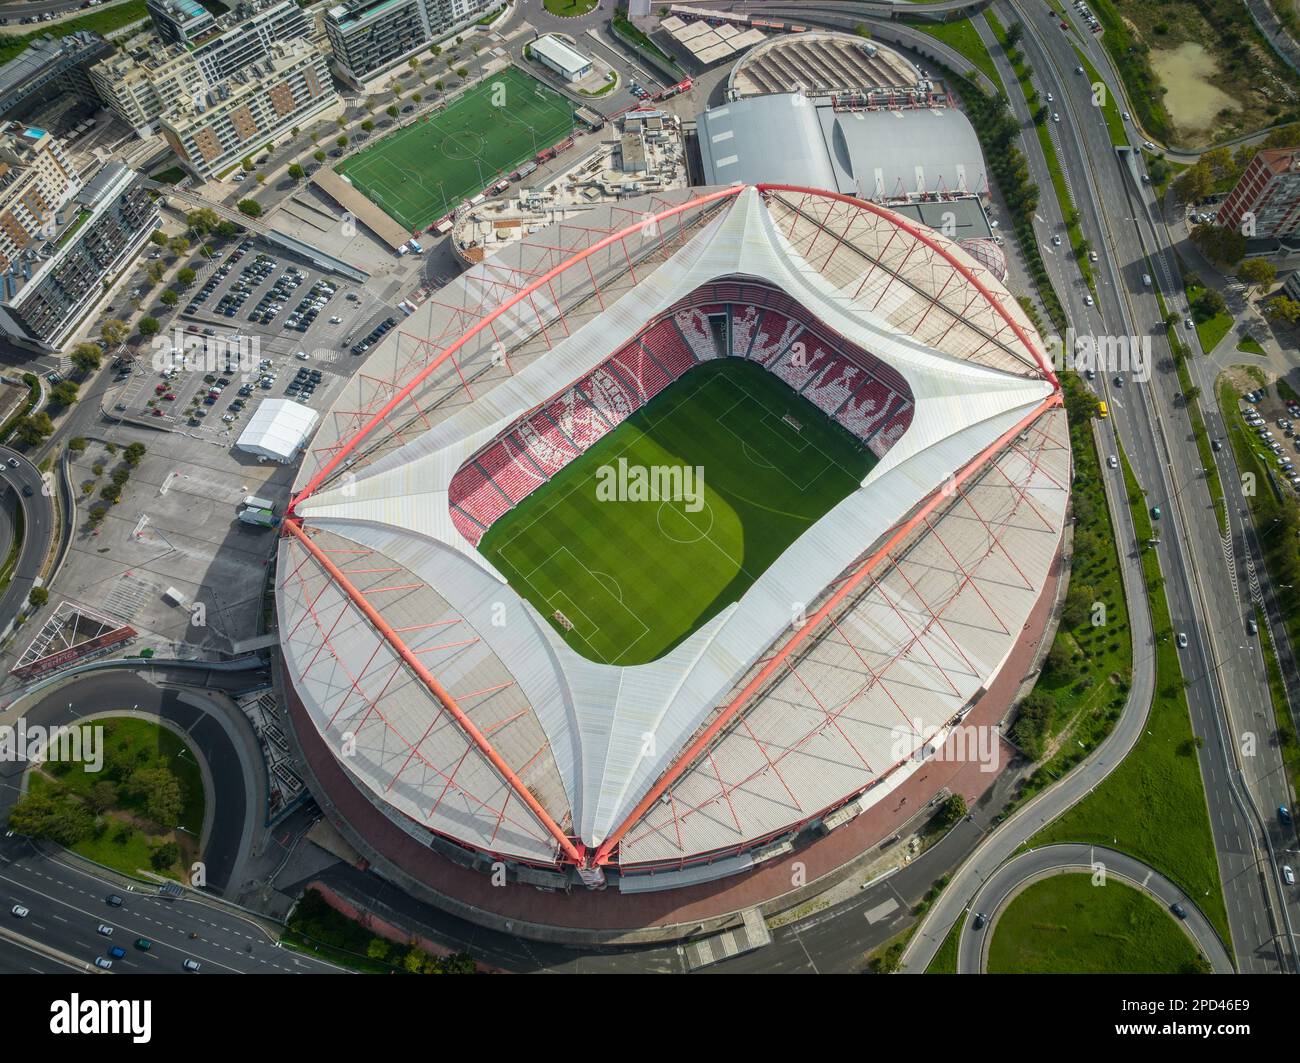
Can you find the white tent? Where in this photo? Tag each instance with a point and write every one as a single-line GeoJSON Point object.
{"type": "Point", "coordinates": [278, 430]}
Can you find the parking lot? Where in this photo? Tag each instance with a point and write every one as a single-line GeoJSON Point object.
{"type": "Point", "coordinates": [1280, 438]}
{"type": "Point", "coordinates": [256, 324]}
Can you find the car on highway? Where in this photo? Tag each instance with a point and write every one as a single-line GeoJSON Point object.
{"type": "Point", "coordinates": [117, 952]}
{"type": "Point", "coordinates": [1252, 628]}
{"type": "Point", "coordinates": [13, 463]}
{"type": "Point", "coordinates": [1055, 116]}
{"type": "Point", "coordinates": [143, 944]}
{"type": "Point", "coordinates": [1178, 910]}
{"type": "Point", "coordinates": [1288, 876]}
{"type": "Point", "coordinates": [105, 930]}
{"type": "Point", "coordinates": [1087, 300]}
{"type": "Point", "coordinates": [1284, 815]}
{"type": "Point", "coordinates": [103, 963]}
{"type": "Point", "coordinates": [18, 911]}
{"type": "Point", "coordinates": [1056, 240]}
{"type": "Point", "coordinates": [1113, 462]}
{"type": "Point", "coordinates": [980, 920]}
{"type": "Point", "coordinates": [191, 964]}
{"type": "Point", "coordinates": [1155, 512]}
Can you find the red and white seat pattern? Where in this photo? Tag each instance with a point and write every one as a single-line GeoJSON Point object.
{"type": "Point", "coordinates": [900, 418]}
{"type": "Point", "coordinates": [834, 383]}
{"type": "Point", "coordinates": [476, 495]}
{"type": "Point", "coordinates": [804, 359]}
{"type": "Point", "coordinates": [609, 395]}
{"type": "Point", "coordinates": [466, 527]}
{"type": "Point", "coordinates": [693, 323]}
{"type": "Point", "coordinates": [867, 409]}
{"type": "Point", "coordinates": [666, 345]}
{"type": "Point", "coordinates": [545, 443]}
{"type": "Point", "coordinates": [744, 320]}
{"type": "Point", "coordinates": [577, 419]}
{"type": "Point", "coordinates": [636, 365]}
{"type": "Point", "coordinates": [511, 469]}
{"type": "Point", "coordinates": [775, 331]}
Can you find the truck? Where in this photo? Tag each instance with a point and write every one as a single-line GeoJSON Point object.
{"type": "Point", "coordinates": [253, 502]}
{"type": "Point", "coordinates": [262, 518]}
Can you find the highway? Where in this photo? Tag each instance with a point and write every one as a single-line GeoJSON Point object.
{"type": "Point", "coordinates": [38, 522]}
{"type": "Point", "coordinates": [1037, 864]}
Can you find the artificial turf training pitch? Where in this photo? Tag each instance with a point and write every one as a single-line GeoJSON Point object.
{"type": "Point", "coordinates": [634, 578]}
{"type": "Point", "coordinates": [418, 174]}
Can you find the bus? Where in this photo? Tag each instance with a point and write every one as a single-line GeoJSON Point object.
{"type": "Point", "coordinates": [1102, 411]}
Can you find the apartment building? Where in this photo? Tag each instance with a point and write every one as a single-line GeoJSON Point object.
{"type": "Point", "coordinates": [36, 181]}
{"type": "Point", "coordinates": [370, 37]}
{"type": "Point", "coordinates": [57, 279]}
{"type": "Point", "coordinates": [1265, 202]}
{"type": "Point", "coordinates": [246, 112]}
{"type": "Point", "coordinates": [184, 58]}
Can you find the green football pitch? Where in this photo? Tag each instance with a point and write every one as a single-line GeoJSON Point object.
{"type": "Point", "coordinates": [418, 174]}
{"type": "Point", "coordinates": [634, 578]}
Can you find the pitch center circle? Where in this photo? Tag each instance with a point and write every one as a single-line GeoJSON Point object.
{"type": "Point", "coordinates": [465, 144]}
{"type": "Point", "coordinates": [679, 526]}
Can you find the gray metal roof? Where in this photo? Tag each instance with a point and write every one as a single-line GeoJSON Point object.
{"type": "Point", "coordinates": [879, 155]}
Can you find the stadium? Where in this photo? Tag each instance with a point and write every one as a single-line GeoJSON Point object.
{"type": "Point", "coordinates": [503, 649]}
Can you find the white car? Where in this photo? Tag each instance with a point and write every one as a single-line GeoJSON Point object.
{"type": "Point", "coordinates": [1078, 70]}
{"type": "Point", "coordinates": [191, 965]}
{"type": "Point", "coordinates": [103, 963]}
{"type": "Point", "coordinates": [19, 912]}
{"type": "Point", "coordinates": [1182, 640]}
{"type": "Point", "coordinates": [1055, 117]}
{"type": "Point", "coordinates": [1056, 240]}
{"type": "Point", "coordinates": [1113, 462]}
{"type": "Point", "coordinates": [1088, 299]}
{"type": "Point", "coordinates": [1288, 875]}
{"type": "Point", "coordinates": [303, 356]}
{"type": "Point", "coordinates": [1049, 98]}
{"type": "Point", "coordinates": [106, 930]}
{"type": "Point", "coordinates": [1126, 117]}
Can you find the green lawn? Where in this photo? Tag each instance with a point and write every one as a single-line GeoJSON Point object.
{"type": "Point", "coordinates": [964, 38]}
{"type": "Point", "coordinates": [945, 960]}
{"type": "Point", "coordinates": [1119, 134]}
{"type": "Point", "coordinates": [104, 21]}
{"type": "Point", "coordinates": [419, 173]}
{"type": "Point", "coordinates": [1210, 329]}
{"type": "Point", "coordinates": [123, 838]}
{"type": "Point", "coordinates": [636, 577]}
{"type": "Point", "coordinates": [1250, 346]}
{"type": "Point", "coordinates": [1066, 925]}
{"type": "Point", "coordinates": [569, 8]}
{"type": "Point", "coordinates": [1153, 805]}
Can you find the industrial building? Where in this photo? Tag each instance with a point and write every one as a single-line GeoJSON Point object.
{"type": "Point", "coordinates": [560, 57]}
{"type": "Point", "coordinates": [370, 37]}
{"type": "Point", "coordinates": [56, 279]}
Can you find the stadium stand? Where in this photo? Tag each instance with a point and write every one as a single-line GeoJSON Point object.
{"type": "Point", "coordinates": [636, 366]}
{"type": "Point", "coordinates": [577, 419]}
{"type": "Point", "coordinates": [667, 347]}
{"type": "Point", "coordinates": [693, 322]}
{"type": "Point", "coordinates": [775, 333]}
{"type": "Point", "coordinates": [744, 321]}
{"type": "Point", "coordinates": [545, 443]}
{"type": "Point", "coordinates": [610, 396]}
{"type": "Point", "coordinates": [830, 388]}
{"type": "Point", "coordinates": [510, 469]}
{"type": "Point", "coordinates": [866, 409]}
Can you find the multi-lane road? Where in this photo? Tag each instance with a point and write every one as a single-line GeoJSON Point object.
{"type": "Point", "coordinates": [30, 495]}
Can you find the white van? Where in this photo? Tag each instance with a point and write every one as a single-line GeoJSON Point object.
{"type": "Point", "coordinates": [1146, 279]}
{"type": "Point", "coordinates": [253, 502]}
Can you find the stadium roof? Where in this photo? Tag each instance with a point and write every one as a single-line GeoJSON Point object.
{"type": "Point", "coordinates": [879, 155]}
{"type": "Point", "coordinates": [503, 737]}
{"type": "Point", "coordinates": [278, 429]}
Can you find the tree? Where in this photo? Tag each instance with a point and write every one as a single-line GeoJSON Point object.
{"type": "Point", "coordinates": [415, 96]}
{"type": "Point", "coordinates": [246, 164]}
{"type": "Point", "coordinates": [1224, 247]}
{"type": "Point", "coordinates": [251, 207]}
{"type": "Point", "coordinates": [392, 111]}
{"type": "Point", "coordinates": [158, 238]}
{"type": "Point", "coordinates": [186, 275]}
{"type": "Point", "coordinates": [132, 454]}
{"type": "Point", "coordinates": [1257, 272]}
{"type": "Point", "coordinates": [952, 810]}
{"type": "Point", "coordinates": [114, 331]}
{"type": "Point", "coordinates": [178, 245]}
{"type": "Point", "coordinates": [368, 125]}
{"type": "Point", "coordinates": [462, 72]}
{"type": "Point", "coordinates": [86, 357]}
{"type": "Point", "coordinates": [148, 326]}
{"type": "Point", "coordinates": [64, 393]}
{"type": "Point", "coordinates": [160, 791]}
{"type": "Point", "coordinates": [1191, 394]}
{"type": "Point", "coordinates": [164, 856]}
{"type": "Point", "coordinates": [1209, 303]}
{"type": "Point", "coordinates": [1015, 34]}
{"type": "Point", "coordinates": [1282, 309]}
{"type": "Point", "coordinates": [102, 796]}
{"type": "Point", "coordinates": [1193, 184]}
{"type": "Point", "coordinates": [296, 172]}
{"type": "Point", "coordinates": [319, 156]}
{"type": "Point", "coordinates": [342, 141]}
{"type": "Point", "coordinates": [202, 221]}
{"type": "Point", "coordinates": [31, 430]}
{"type": "Point", "coordinates": [169, 298]}
{"type": "Point", "coordinates": [413, 63]}
{"type": "Point", "coordinates": [44, 815]}
{"type": "Point", "coordinates": [227, 229]}
{"type": "Point", "coordinates": [439, 85]}
{"type": "Point", "coordinates": [76, 444]}
{"type": "Point", "coordinates": [38, 596]}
